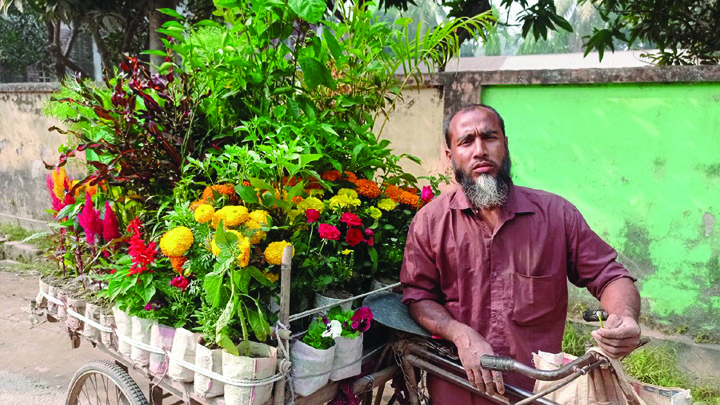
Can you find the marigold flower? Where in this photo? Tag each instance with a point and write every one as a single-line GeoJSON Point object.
{"type": "Point", "coordinates": [196, 204]}
{"type": "Point", "coordinates": [311, 203]}
{"type": "Point", "coordinates": [243, 246]}
{"type": "Point", "coordinates": [351, 219]}
{"type": "Point", "coordinates": [346, 252]}
{"type": "Point", "coordinates": [177, 264]}
{"type": "Point", "coordinates": [350, 176]}
{"type": "Point", "coordinates": [312, 215]}
{"type": "Point", "coordinates": [231, 215]}
{"type": "Point", "coordinates": [367, 188]}
{"type": "Point", "coordinates": [345, 198]}
{"type": "Point", "coordinates": [89, 219]}
{"type": "Point", "coordinates": [346, 192]}
{"type": "Point", "coordinates": [290, 181]}
{"type": "Point", "coordinates": [354, 236]}
{"type": "Point", "coordinates": [331, 175]}
{"type": "Point", "coordinates": [426, 195]}
{"type": "Point", "coordinates": [256, 234]}
{"type": "Point", "coordinates": [387, 204]}
{"type": "Point", "coordinates": [180, 282]}
{"type": "Point", "coordinates": [214, 247]}
{"type": "Point", "coordinates": [204, 213]}
{"type": "Point", "coordinates": [393, 192]}
{"type": "Point", "coordinates": [374, 212]}
{"type": "Point", "coordinates": [246, 183]}
{"type": "Point", "coordinates": [409, 198]}
{"type": "Point", "coordinates": [328, 231]}
{"type": "Point", "coordinates": [260, 216]}
{"type": "Point", "coordinates": [227, 189]}
{"type": "Point", "coordinates": [110, 229]}
{"type": "Point", "coordinates": [176, 241]}
{"type": "Point", "coordinates": [271, 276]}
{"type": "Point", "coordinates": [274, 252]}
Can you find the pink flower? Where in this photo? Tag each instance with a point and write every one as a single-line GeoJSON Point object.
{"type": "Point", "coordinates": [328, 231]}
{"type": "Point", "coordinates": [361, 319]}
{"type": "Point", "coordinates": [180, 282]}
{"type": "Point", "coordinates": [312, 215]}
{"type": "Point", "coordinates": [354, 236]}
{"type": "Point", "coordinates": [56, 203]}
{"type": "Point", "coordinates": [110, 228]}
{"type": "Point", "coordinates": [426, 194]}
{"type": "Point", "coordinates": [371, 241]}
{"type": "Point", "coordinates": [369, 232]}
{"type": "Point", "coordinates": [351, 219]}
{"type": "Point", "coordinates": [89, 219]}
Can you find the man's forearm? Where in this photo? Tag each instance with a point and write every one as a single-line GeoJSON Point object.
{"type": "Point", "coordinates": [437, 320]}
{"type": "Point", "coordinates": [621, 297]}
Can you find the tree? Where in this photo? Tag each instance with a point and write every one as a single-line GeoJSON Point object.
{"type": "Point", "coordinates": [22, 39]}
{"type": "Point", "coordinates": [684, 31]}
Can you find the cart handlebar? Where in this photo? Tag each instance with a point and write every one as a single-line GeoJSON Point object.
{"type": "Point", "coordinates": [507, 364]}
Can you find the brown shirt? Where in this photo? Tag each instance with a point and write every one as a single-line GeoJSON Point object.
{"type": "Point", "coordinates": [511, 287]}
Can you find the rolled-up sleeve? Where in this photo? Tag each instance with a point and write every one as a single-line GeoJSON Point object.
{"type": "Point", "coordinates": [419, 275]}
{"type": "Point", "coordinates": [591, 261]}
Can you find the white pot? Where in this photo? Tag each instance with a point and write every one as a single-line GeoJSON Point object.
{"type": "Point", "coordinates": [260, 365]}
{"type": "Point", "coordinates": [141, 333]}
{"type": "Point", "coordinates": [311, 367]}
{"type": "Point", "coordinates": [71, 322]}
{"type": "Point", "coordinates": [92, 311]}
{"type": "Point", "coordinates": [347, 361]}
{"type": "Point", "coordinates": [52, 308]}
{"type": "Point", "coordinates": [183, 347]}
{"type": "Point", "coordinates": [61, 309]}
{"type": "Point", "coordinates": [321, 301]}
{"type": "Point", "coordinates": [108, 338]}
{"type": "Point", "coordinates": [124, 328]}
{"type": "Point", "coordinates": [208, 359]}
{"type": "Point", "coordinates": [161, 336]}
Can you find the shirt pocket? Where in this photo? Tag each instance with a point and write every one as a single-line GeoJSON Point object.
{"type": "Point", "coordinates": [535, 298]}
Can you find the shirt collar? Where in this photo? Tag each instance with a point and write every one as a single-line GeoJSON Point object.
{"type": "Point", "coordinates": [517, 201]}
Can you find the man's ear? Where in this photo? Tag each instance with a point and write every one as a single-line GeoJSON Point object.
{"type": "Point", "coordinates": [448, 154]}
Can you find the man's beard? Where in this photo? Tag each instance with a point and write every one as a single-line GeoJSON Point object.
{"type": "Point", "coordinates": [487, 191]}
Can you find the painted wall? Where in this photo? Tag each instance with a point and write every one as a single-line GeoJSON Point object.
{"type": "Point", "coordinates": [642, 163]}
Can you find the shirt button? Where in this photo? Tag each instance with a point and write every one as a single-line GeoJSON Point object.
{"type": "Point", "coordinates": [494, 274]}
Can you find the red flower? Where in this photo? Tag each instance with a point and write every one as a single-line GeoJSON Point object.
{"type": "Point", "coordinates": [329, 232]}
{"type": "Point", "coordinates": [426, 195]}
{"type": "Point", "coordinates": [354, 236]}
{"type": "Point", "coordinates": [361, 319]}
{"type": "Point", "coordinates": [89, 219]}
{"type": "Point", "coordinates": [369, 232]}
{"type": "Point", "coordinates": [371, 241]}
{"type": "Point", "coordinates": [351, 219]}
{"type": "Point", "coordinates": [312, 215]}
{"type": "Point", "coordinates": [56, 203]}
{"type": "Point", "coordinates": [142, 255]}
{"type": "Point", "coordinates": [180, 282]}
{"type": "Point", "coordinates": [110, 229]}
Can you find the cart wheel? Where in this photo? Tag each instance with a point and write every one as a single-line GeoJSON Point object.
{"type": "Point", "coordinates": [102, 382]}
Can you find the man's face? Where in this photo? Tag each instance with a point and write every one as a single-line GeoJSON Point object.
{"type": "Point", "coordinates": [480, 157]}
{"type": "Point", "coordinates": [477, 144]}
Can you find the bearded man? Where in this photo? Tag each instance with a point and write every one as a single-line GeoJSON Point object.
{"type": "Point", "coordinates": [486, 266]}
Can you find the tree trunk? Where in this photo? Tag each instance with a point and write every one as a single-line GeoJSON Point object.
{"type": "Point", "coordinates": [102, 49]}
{"type": "Point", "coordinates": [157, 19]}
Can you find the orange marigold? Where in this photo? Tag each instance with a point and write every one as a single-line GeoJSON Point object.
{"type": "Point", "coordinates": [177, 263]}
{"type": "Point", "coordinates": [297, 199]}
{"type": "Point", "coordinates": [409, 198]}
{"type": "Point", "coordinates": [196, 204]}
{"type": "Point", "coordinates": [368, 188]}
{"type": "Point", "coordinates": [350, 176]}
{"type": "Point", "coordinates": [331, 175]}
{"type": "Point", "coordinates": [290, 181]}
{"type": "Point", "coordinates": [246, 183]}
{"type": "Point", "coordinates": [393, 192]}
{"type": "Point", "coordinates": [227, 189]}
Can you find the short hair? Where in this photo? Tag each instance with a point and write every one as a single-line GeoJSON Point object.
{"type": "Point", "coordinates": [465, 108]}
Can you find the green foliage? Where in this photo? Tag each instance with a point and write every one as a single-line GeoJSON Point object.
{"type": "Point", "coordinates": [655, 365]}
{"type": "Point", "coordinates": [314, 337]}
{"type": "Point", "coordinates": [575, 340]}
{"type": "Point", "coordinates": [22, 43]}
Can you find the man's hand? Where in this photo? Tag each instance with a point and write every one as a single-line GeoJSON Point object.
{"type": "Point", "coordinates": [619, 337]}
{"type": "Point", "coordinates": [471, 347]}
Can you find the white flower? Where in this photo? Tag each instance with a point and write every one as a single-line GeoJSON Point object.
{"type": "Point", "coordinates": [333, 329]}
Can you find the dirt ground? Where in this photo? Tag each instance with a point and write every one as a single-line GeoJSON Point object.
{"type": "Point", "coordinates": [36, 359]}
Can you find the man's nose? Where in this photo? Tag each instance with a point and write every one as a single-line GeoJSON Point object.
{"type": "Point", "coordinates": [480, 148]}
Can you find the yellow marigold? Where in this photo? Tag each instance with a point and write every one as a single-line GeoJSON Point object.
{"type": "Point", "coordinates": [331, 175]}
{"type": "Point", "coordinates": [374, 212]}
{"type": "Point", "coordinates": [59, 177]}
{"type": "Point", "coordinates": [346, 198]}
{"type": "Point", "coordinates": [393, 192]}
{"type": "Point", "coordinates": [346, 252]}
{"type": "Point", "coordinates": [256, 234]}
{"type": "Point", "coordinates": [367, 188]}
{"type": "Point", "coordinates": [274, 252]}
{"type": "Point", "coordinates": [387, 204]}
{"type": "Point", "coordinates": [260, 216]}
{"type": "Point", "coordinates": [231, 215]}
{"type": "Point", "coordinates": [311, 203]}
{"type": "Point", "coordinates": [293, 214]}
{"type": "Point", "coordinates": [409, 198]}
{"type": "Point", "coordinates": [346, 192]}
{"type": "Point", "coordinates": [271, 276]}
{"type": "Point", "coordinates": [204, 213]}
{"type": "Point", "coordinates": [176, 241]}
{"type": "Point", "coordinates": [316, 192]}
{"type": "Point", "coordinates": [243, 246]}
{"type": "Point", "coordinates": [177, 263]}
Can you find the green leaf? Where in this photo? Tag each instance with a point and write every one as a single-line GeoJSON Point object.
{"type": "Point", "coordinates": [154, 52]}
{"type": "Point", "coordinates": [306, 158]}
{"type": "Point", "coordinates": [309, 10]}
{"type": "Point", "coordinates": [259, 276]}
{"type": "Point", "coordinates": [247, 194]}
{"type": "Point", "coordinates": [242, 280]}
{"type": "Point", "coordinates": [333, 46]}
{"type": "Point", "coordinates": [316, 73]}
{"type": "Point", "coordinates": [224, 341]}
{"type": "Point", "coordinates": [262, 185]}
{"type": "Point", "coordinates": [213, 289]}
{"type": "Point", "coordinates": [296, 190]}
{"type": "Point", "coordinates": [147, 293]}
{"type": "Point", "coordinates": [257, 321]}
{"type": "Point", "coordinates": [171, 13]}
{"type": "Point", "coordinates": [225, 317]}
{"type": "Point", "coordinates": [374, 258]}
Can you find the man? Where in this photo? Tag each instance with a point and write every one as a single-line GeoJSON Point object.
{"type": "Point", "coordinates": [486, 266]}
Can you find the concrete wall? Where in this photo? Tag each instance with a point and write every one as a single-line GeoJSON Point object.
{"type": "Point", "coordinates": [637, 150]}
{"type": "Point", "coordinates": [24, 143]}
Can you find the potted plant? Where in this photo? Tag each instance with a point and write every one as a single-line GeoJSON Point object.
{"type": "Point", "coordinates": [312, 356]}
{"type": "Point", "coordinates": [349, 345]}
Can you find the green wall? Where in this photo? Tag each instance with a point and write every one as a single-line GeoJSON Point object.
{"type": "Point", "coordinates": [642, 163]}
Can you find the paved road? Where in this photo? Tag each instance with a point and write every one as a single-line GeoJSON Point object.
{"type": "Point", "coordinates": [36, 360]}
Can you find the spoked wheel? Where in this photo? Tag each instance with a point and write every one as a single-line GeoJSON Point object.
{"type": "Point", "coordinates": [101, 382]}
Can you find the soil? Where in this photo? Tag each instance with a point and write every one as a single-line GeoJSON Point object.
{"type": "Point", "coordinates": [36, 358]}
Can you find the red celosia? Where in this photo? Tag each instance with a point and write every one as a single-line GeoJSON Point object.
{"type": "Point", "coordinates": [351, 219]}
{"type": "Point", "coordinates": [312, 215]}
{"type": "Point", "coordinates": [110, 228]}
{"type": "Point", "coordinates": [354, 236]}
{"type": "Point", "coordinates": [328, 232]}
{"type": "Point", "coordinates": [89, 219]}
{"type": "Point", "coordinates": [142, 255]}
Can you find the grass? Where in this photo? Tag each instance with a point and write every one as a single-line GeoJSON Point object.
{"type": "Point", "coordinates": [40, 240]}
{"type": "Point", "coordinates": [655, 365]}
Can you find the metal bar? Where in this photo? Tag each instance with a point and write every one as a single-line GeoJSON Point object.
{"type": "Point", "coordinates": [363, 384]}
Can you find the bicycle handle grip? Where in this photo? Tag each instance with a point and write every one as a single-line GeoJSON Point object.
{"type": "Point", "coordinates": [594, 315]}
{"type": "Point", "coordinates": [497, 363]}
